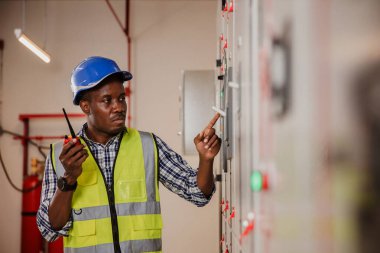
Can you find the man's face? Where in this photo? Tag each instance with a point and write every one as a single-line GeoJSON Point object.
{"type": "Point", "coordinates": [107, 108]}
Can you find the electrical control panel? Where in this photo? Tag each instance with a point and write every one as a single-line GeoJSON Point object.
{"type": "Point", "coordinates": [276, 179]}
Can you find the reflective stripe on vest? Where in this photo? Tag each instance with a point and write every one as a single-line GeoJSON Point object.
{"type": "Point", "coordinates": [135, 197]}
{"type": "Point", "coordinates": [146, 246]}
{"type": "Point", "coordinates": [100, 212]}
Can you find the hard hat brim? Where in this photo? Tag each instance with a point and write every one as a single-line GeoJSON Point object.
{"type": "Point", "coordinates": [125, 76]}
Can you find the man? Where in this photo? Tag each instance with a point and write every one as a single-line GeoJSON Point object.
{"type": "Point", "coordinates": [100, 190]}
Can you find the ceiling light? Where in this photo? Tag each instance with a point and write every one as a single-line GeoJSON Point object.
{"type": "Point", "coordinates": [32, 46]}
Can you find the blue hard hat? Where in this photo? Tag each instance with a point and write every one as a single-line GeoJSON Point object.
{"type": "Point", "coordinates": [91, 72]}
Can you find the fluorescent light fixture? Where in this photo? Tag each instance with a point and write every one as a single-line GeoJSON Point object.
{"type": "Point", "coordinates": [32, 46]}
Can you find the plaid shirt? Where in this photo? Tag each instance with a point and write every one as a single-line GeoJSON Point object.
{"type": "Point", "coordinates": [174, 173]}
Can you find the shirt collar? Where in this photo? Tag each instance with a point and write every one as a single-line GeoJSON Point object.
{"type": "Point", "coordinates": [82, 133]}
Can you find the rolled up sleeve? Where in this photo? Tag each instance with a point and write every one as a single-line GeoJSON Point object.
{"type": "Point", "coordinates": [49, 186]}
{"type": "Point", "coordinates": [177, 176]}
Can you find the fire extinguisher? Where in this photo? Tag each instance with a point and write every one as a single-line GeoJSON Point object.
{"type": "Point", "coordinates": [56, 246]}
{"type": "Point", "coordinates": [31, 239]}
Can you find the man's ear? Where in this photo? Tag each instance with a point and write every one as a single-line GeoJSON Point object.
{"type": "Point", "coordinates": [85, 106]}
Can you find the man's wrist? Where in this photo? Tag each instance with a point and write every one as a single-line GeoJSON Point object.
{"type": "Point", "coordinates": [71, 180]}
{"type": "Point", "coordinates": [65, 186]}
{"type": "Point", "coordinates": [204, 160]}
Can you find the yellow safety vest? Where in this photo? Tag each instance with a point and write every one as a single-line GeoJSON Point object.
{"type": "Point", "coordinates": [124, 217]}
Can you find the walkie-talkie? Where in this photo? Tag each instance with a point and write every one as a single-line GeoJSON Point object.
{"type": "Point", "coordinates": [68, 138]}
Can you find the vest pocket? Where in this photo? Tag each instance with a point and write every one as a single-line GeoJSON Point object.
{"type": "Point", "coordinates": [86, 193]}
{"type": "Point", "coordinates": [88, 177]}
{"type": "Point", "coordinates": [83, 228]}
{"type": "Point", "coordinates": [147, 226]}
{"type": "Point", "coordinates": [131, 190]}
{"type": "Point", "coordinates": [82, 234]}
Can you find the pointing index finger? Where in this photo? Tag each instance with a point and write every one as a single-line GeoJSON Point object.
{"type": "Point", "coordinates": [213, 121]}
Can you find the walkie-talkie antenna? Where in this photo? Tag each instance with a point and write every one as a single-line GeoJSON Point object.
{"type": "Point", "coordinates": [68, 123]}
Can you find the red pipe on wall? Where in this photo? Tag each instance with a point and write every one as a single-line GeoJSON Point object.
{"type": "Point", "coordinates": [25, 147]}
{"type": "Point", "coordinates": [125, 30]}
{"type": "Point", "coordinates": [128, 88]}
{"type": "Point", "coordinates": [25, 118]}
{"type": "Point", "coordinates": [116, 17]}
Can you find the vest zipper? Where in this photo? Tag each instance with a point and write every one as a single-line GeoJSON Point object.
{"type": "Point", "coordinates": [111, 199]}
{"type": "Point", "coordinates": [115, 227]}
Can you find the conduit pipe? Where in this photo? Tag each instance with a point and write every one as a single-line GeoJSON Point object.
{"type": "Point", "coordinates": [25, 118]}
{"type": "Point", "coordinates": [129, 47]}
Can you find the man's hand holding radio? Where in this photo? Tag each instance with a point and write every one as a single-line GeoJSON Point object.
{"type": "Point", "coordinates": [72, 156]}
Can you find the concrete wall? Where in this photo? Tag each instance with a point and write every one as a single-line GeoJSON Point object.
{"type": "Point", "coordinates": [168, 36]}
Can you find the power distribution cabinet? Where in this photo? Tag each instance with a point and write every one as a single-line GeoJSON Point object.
{"type": "Point", "coordinates": [279, 191]}
{"type": "Point", "coordinates": [244, 93]}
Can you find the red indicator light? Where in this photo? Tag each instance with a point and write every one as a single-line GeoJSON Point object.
{"type": "Point", "coordinates": [231, 6]}
{"type": "Point", "coordinates": [226, 207]}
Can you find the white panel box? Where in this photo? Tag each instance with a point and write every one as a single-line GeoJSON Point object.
{"type": "Point", "coordinates": [198, 97]}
